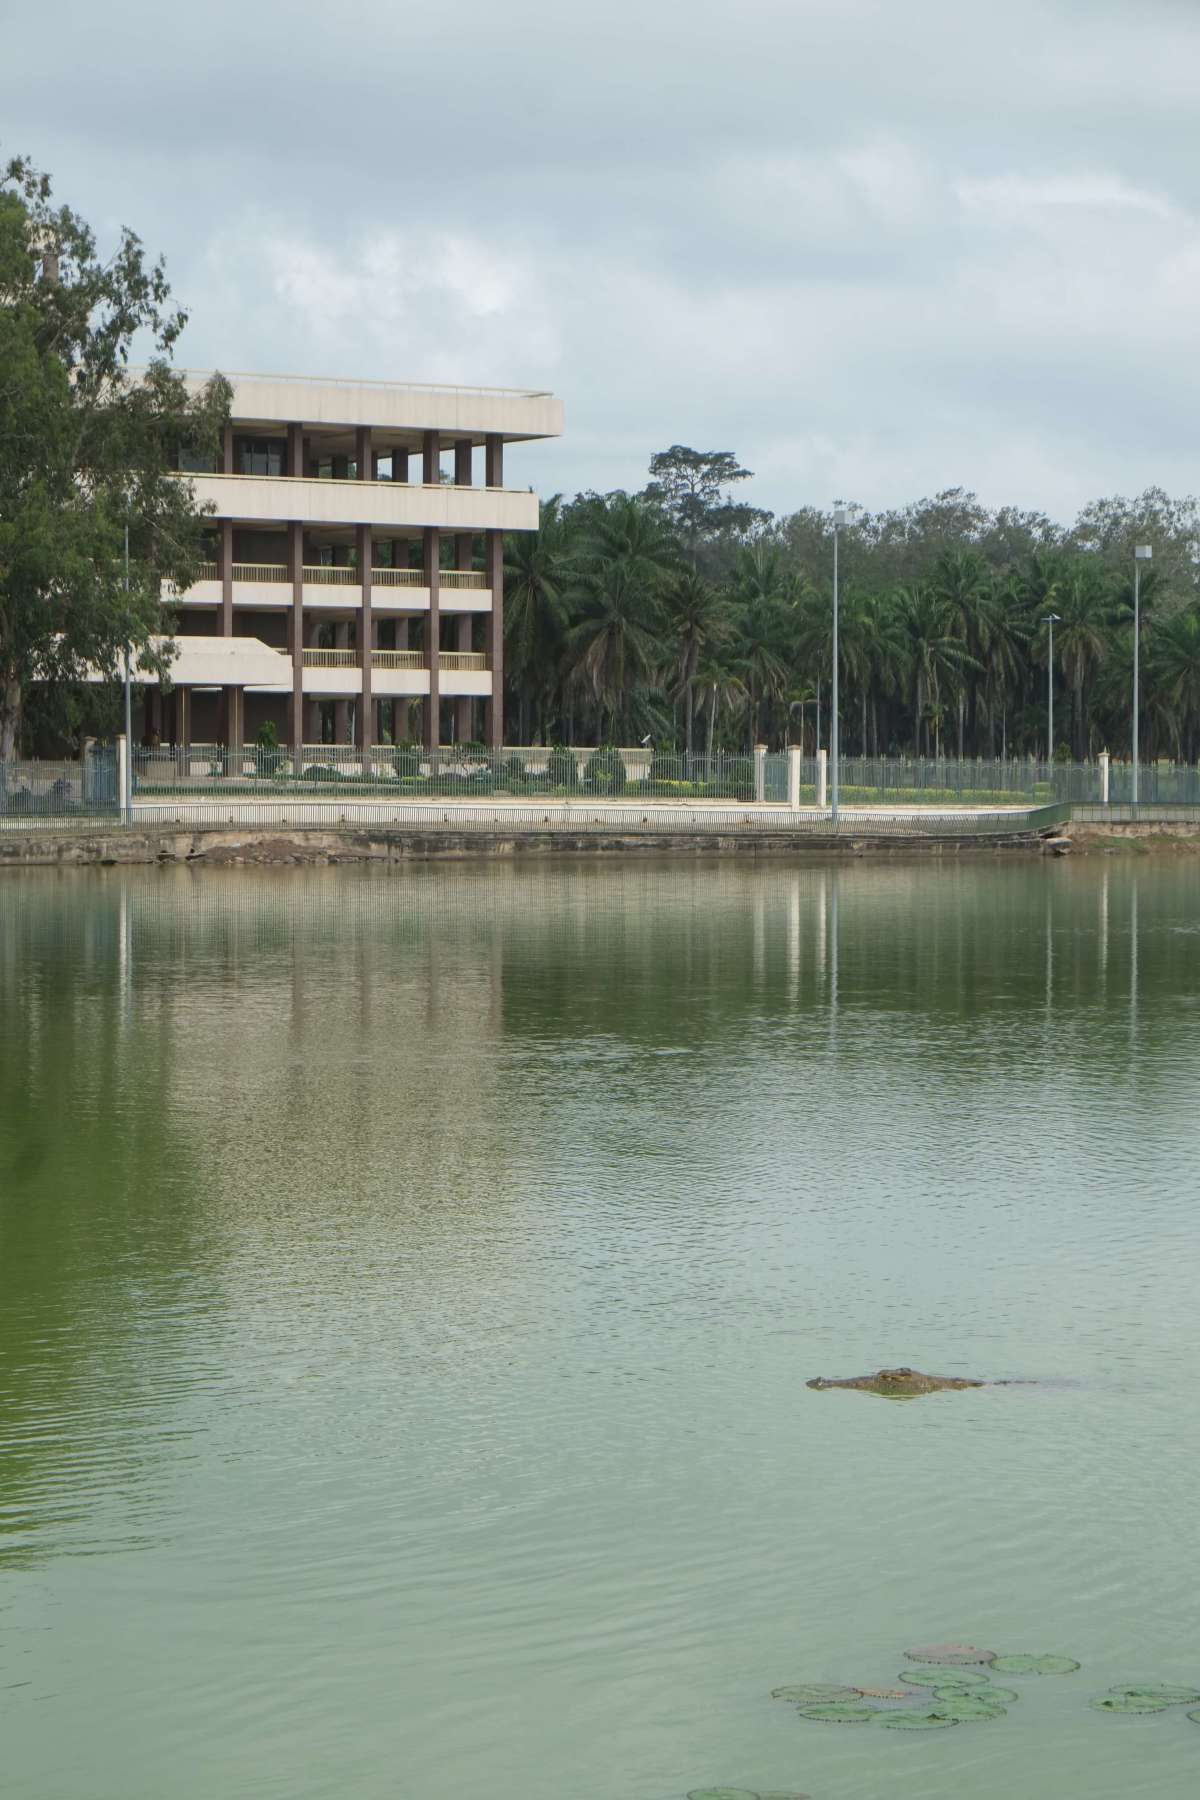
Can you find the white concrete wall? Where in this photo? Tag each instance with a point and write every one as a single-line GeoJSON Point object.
{"type": "Point", "coordinates": [278, 498]}
{"type": "Point", "coordinates": [281, 400]}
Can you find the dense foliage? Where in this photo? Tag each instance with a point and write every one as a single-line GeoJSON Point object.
{"type": "Point", "coordinates": [86, 451]}
{"type": "Point", "coordinates": [679, 615]}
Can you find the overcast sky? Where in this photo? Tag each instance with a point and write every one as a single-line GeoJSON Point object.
{"type": "Point", "coordinates": [876, 247]}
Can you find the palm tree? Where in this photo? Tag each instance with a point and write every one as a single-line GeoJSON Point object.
{"type": "Point", "coordinates": [695, 622]}
{"type": "Point", "coordinates": [961, 583]}
{"type": "Point", "coordinates": [722, 689]}
{"type": "Point", "coordinates": [764, 594]}
{"type": "Point", "coordinates": [937, 657]}
{"type": "Point", "coordinates": [1083, 634]}
{"type": "Point", "coordinates": [1173, 668]}
{"type": "Point", "coordinates": [536, 608]}
{"type": "Point", "coordinates": [617, 639]}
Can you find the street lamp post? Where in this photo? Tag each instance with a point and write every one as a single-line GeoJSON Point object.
{"type": "Point", "coordinates": [839, 519]}
{"type": "Point", "coordinates": [1051, 619]}
{"type": "Point", "coordinates": [1142, 553]}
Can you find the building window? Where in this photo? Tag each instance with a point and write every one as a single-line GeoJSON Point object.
{"type": "Point", "coordinates": [197, 462]}
{"type": "Point", "coordinates": [261, 456]}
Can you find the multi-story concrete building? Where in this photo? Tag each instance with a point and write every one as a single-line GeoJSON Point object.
{"type": "Point", "coordinates": [355, 588]}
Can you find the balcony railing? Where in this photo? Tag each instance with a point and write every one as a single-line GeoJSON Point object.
{"type": "Point", "coordinates": [397, 659]}
{"type": "Point", "coordinates": [207, 572]}
{"type": "Point", "coordinates": [261, 572]}
{"type": "Point", "coordinates": [330, 659]}
{"type": "Point", "coordinates": [462, 578]}
{"type": "Point", "coordinates": [330, 575]}
{"type": "Point", "coordinates": [463, 660]}
{"type": "Point", "coordinates": [399, 578]}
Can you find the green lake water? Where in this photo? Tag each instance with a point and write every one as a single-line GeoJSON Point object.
{"type": "Point", "coordinates": [409, 1281]}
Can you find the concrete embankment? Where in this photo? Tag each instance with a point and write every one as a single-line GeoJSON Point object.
{"type": "Point", "coordinates": [396, 843]}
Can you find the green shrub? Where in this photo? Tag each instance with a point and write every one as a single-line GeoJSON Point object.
{"type": "Point", "coordinates": [605, 772]}
{"type": "Point", "coordinates": [515, 775]}
{"type": "Point", "coordinates": [406, 759]}
{"type": "Point", "coordinates": [320, 772]}
{"type": "Point", "coordinates": [562, 770]}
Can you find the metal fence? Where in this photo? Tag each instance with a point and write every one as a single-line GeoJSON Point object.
{"type": "Point", "coordinates": [47, 793]}
{"type": "Point", "coordinates": [456, 772]}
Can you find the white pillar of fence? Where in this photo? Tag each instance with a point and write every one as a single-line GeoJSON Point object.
{"type": "Point", "coordinates": [793, 778]}
{"type": "Point", "coordinates": [1104, 777]}
{"type": "Point", "coordinates": [822, 778]}
{"type": "Point", "coordinates": [123, 778]}
{"type": "Point", "coordinates": [760, 773]}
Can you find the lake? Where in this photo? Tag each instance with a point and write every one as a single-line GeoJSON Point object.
{"type": "Point", "coordinates": [409, 1280]}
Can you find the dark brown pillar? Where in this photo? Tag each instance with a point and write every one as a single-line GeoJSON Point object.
{"type": "Point", "coordinates": [226, 578]}
{"type": "Point", "coordinates": [227, 450]}
{"type": "Point", "coordinates": [296, 638]}
{"type": "Point", "coordinates": [431, 468]}
{"type": "Point", "coordinates": [494, 460]}
{"type": "Point", "coordinates": [362, 445]}
{"type": "Point", "coordinates": [495, 576]}
{"type": "Point", "coordinates": [366, 641]}
{"type": "Point", "coordinates": [232, 714]}
{"type": "Point", "coordinates": [464, 550]}
{"type": "Point", "coordinates": [462, 462]}
{"type": "Point", "coordinates": [433, 579]}
{"type": "Point", "coordinates": [341, 708]}
{"type": "Point", "coordinates": [399, 462]}
{"type": "Point", "coordinates": [295, 454]}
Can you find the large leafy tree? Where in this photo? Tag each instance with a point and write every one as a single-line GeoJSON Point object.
{"type": "Point", "coordinates": [87, 449]}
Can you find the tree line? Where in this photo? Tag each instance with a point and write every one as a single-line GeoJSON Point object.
{"type": "Point", "coordinates": [680, 614]}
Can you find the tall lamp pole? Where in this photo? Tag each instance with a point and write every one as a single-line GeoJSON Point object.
{"type": "Point", "coordinates": [1051, 619]}
{"type": "Point", "coordinates": [839, 519]}
{"type": "Point", "coordinates": [1142, 553]}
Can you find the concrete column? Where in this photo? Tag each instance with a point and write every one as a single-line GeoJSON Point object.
{"type": "Point", "coordinates": [1104, 768]}
{"type": "Point", "coordinates": [464, 550]}
{"type": "Point", "coordinates": [793, 799]}
{"type": "Point", "coordinates": [341, 708]}
{"type": "Point", "coordinates": [494, 574]}
{"type": "Point", "coordinates": [296, 637]}
{"type": "Point", "coordinates": [402, 634]}
{"type": "Point", "coordinates": [183, 727]}
{"type": "Point", "coordinates": [493, 458]}
{"type": "Point", "coordinates": [233, 718]}
{"type": "Point", "coordinates": [433, 543]}
{"type": "Point", "coordinates": [363, 453]}
{"type": "Point", "coordinates": [227, 450]}
{"type": "Point", "coordinates": [226, 578]}
{"type": "Point", "coordinates": [760, 773]}
{"type": "Point", "coordinates": [366, 642]}
{"type": "Point", "coordinates": [399, 463]}
{"type": "Point", "coordinates": [295, 452]}
{"type": "Point", "coordinates": [123, 787]}
{"type": "Point", "coordinates": [430, 459]}
{"type": "Point", "coordinates": [462, 462]}
{"type": "Point", "coordinates": [822, 777]}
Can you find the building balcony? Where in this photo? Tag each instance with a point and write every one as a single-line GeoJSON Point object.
{"type": "Point", "coordinates": [513, 413]}
{"type": "Point", "coordinates": [267, 587]}
{"type": "Point", "coordinates": [394, 505]}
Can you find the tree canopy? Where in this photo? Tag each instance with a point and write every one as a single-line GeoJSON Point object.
{"type": "Point", "coordinates": [662, 613]}
{"type": "Point", "coordinates": [87, 449]}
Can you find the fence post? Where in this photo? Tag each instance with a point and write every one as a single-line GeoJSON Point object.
{"type": "Point", "coordinates": [793, 778]}
{"type": "Point", "coordinates": [123, 788]}
{"type": "Point", "coordinates": [760, 773]}
{"type": "Point", "coordinates": [1104, 778]}
{"type": "Point", "coordinates": [822, 777]}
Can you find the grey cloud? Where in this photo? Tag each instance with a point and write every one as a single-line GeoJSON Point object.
{"type": "Point", "coordinates": [874, 248]}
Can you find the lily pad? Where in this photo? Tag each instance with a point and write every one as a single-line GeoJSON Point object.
{"type": "Point", "coordinates": [813, 1694]}
{"type": "Point", "coordinates": [1168, 1691]}
{"type": "Point", "coordinates": [965, 1708]}
{"type": "Point", "coordinates": [1034, 1665]}
{"type": "Point", "coordinates": [944, 1677]}
{"type": "Point", "coordinates": [835, 1714]}
{"type": "Point", "coordinates": [1128, 1703]}
{"type": "Point", "coordinates": [774, 1796]}
{"type": "Point", "coordinates": [1195, 1716]}
{"type": "Point", "coordinates": [985, 1696]}
{"type": "Point", "coordinates": [954, 1655]}
{"type": "Point", "coordinates": [886, 1693]}
{"type": "Point", "coordinates": [915, 1721]}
